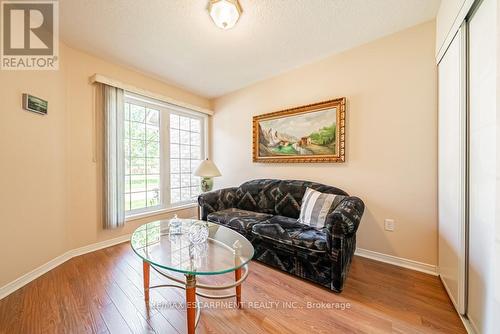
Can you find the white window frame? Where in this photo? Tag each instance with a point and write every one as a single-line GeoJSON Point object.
{"type": "Point", "coordinates": [165, 109]}
{"type": "Point", "coordinates": [203, 149]}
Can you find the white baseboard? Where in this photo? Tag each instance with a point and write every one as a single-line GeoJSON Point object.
{"type": "Point", "coordinates": [99, 245]}
{"type": "Point", "coordinates": [37, 272]}
{"type": "Point", "coordinates": [18, 283]}
{"type": "Point", "coordinates": [398, 261]}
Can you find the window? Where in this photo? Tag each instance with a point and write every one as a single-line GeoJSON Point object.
{"type": "Point", "coordinates": [185, 155]}
{"type": "Point", "coordinates": [163, 146]}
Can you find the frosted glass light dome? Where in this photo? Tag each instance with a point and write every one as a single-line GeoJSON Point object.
{"type": "Point", "coordinates": [224, 13]}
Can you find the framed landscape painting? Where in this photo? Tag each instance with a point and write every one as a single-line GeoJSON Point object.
{"type": "Point", "coordinates": [312, 133]}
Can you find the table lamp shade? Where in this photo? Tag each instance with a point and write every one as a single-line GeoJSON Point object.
{"type": "Point", "coordinates": [207, 169]}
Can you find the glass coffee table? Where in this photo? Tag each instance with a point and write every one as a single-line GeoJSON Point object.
{"type": "Point", "coordinates": [167, 250]}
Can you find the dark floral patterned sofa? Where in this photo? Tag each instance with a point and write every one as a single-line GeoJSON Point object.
{"type": "Point", "coordinates": [266, 212]}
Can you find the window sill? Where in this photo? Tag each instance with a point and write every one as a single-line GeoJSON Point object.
{"type": "Point", "coordinates": [159, 212]}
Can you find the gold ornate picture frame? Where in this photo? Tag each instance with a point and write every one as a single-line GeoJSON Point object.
{"type": "Point", "coordinates": [310, 133]}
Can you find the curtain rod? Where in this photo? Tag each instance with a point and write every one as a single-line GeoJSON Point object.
{"type": "Point", "coordinates": [129, 88]}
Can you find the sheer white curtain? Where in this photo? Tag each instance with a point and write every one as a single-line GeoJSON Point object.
{"type": "Point", "coordinates": [114, 166]}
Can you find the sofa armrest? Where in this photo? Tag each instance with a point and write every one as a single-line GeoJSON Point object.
{"type": "Point", "coordinates": [341, 226]}
{"type": "Point", "coordinates": [345, 219]}
{"type": "Point", "coordinates": [217, 200]}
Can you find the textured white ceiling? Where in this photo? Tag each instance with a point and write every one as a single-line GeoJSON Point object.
{"type": "Point", "coordinates": [175, 40]}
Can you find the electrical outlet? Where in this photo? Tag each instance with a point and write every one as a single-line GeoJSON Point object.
{"type": "Point", "coordinates": [389, 225]}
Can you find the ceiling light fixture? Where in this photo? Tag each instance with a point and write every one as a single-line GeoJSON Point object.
{"type": "Point", "coordinates": [224, 13]}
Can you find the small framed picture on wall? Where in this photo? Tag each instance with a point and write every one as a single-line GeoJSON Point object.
{"type": "Point", "coordinates": [35, 104]}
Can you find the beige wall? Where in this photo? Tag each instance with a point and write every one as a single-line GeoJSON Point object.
{"type": "Point", "coordinates": [49, 185]}
{"type": "Point", "coordinates": [33, 173]}
{"type": "Point", "coordinates": [391, 88]}
{"type": "Point", "coordinates": [83, 193]}
{"type": "Point", "coordinates": [49, 200]}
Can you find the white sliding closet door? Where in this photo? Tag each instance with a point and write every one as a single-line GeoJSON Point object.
{"type": "Point", "coordinates": [482, 167]}
{"type": "Point", "coordinates": [452, 164]}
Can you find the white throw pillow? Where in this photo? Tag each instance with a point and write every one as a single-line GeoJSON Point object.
{"type": "Point", "coordinates": [316, 206]}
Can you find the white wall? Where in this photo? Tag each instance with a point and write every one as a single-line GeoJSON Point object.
{"type": "Point", "coordinates": [484, 231]}
{"type": "Point", "coordinates": [496, 255]}
{"type": "Point", "coordinates": [450, 15]}
{"type": "Point", "coordinates": [390, 86]}
{"type": "Point", "coordinates": [452, 170]}
{"type": "Point", "coordinates": [483, 151]}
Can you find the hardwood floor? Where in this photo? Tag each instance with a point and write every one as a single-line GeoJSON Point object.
{"type": "Point", "coordinates": [101, 292]}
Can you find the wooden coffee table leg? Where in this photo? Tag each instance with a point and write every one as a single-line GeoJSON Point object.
{"type": "Point", "coordinates": [191, 303]}
{"type": "Point", "coordinates": [237, 276]}
{"type": "Point", "coordinates": [145, 276]}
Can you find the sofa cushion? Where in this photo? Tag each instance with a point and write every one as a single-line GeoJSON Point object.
{"type": "Point", "coordinates": [237, 219]}
{"type": "Point", "coordinates": [258, 195]}
{"type": "Point", "coordinates": [289, 231]}
{"type": "Point", "coordinates": [288, 206]}
{"type": "Point", "coordinates": [289, 194]}
{"type": "Point", "coordinates": [316, 206]}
